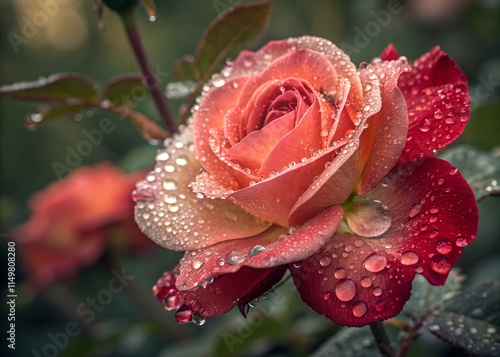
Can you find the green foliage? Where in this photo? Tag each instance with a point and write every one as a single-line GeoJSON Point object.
{"type": "Point", "coordinates": [471, 320]}
{"type": "Point", "coordinates": [124, 89]}
{"type": "Point", "coordinates": [480, 169]}
{"type": "Point", "coordinates": [349, 342]}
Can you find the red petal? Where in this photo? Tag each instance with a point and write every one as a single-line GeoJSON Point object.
{"type": "Point", "coordinates": [385, 137]}
{"type": "Point", "coordinates": [271, 248]}
{"type": "Point", "coordinates": [390, 53]}
{"type": "Point", "coordinates": [438, 103]}
{"type": "Point", "coordinates": [219, 297]}
{"type": "Point", "coordinates": [165, 204]}
{"type": "Point", "coordinates": [351, 284]}
{"type": "Point", "coordinates": [434, 215]}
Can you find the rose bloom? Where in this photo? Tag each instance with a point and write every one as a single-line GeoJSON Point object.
{"type": "Point", "coordinates": [73, 220]}
{"type": "Point", "coordinates": [294, 159]}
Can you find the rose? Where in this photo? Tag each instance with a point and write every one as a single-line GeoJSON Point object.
{"type": "Point", "coordinates": [296, 158]}
{"type": "Point", "coordinates": [72, 221]}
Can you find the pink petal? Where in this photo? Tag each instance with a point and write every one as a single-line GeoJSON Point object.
{"type": "Point", "coordinates": [217, 298]}
{"type": "Point", "coordinates": [386, 134]}
{"type": "Point", "coordinates": [166, 206]}
{"type": "Point", "coordinates": [212, 110]}
{"type": "Point", "coordinates": [438, 103]}
{"type": "Point", "coordinates": [274, 247]}
{"type": "Point", "coordinates": [434, 215]}
{"type": "Point", "coordinates": [352, 283]}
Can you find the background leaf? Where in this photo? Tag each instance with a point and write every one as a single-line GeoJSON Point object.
{"type": "Point", "coordinates": [480, 169]}
{"type": "Point", "coordinates": [125, 89]}
{"type": "Point", "coordinates": [71, 88]}
{"type": "Point", "coordinates": [355, 342]}
{"type": "Point", "coordinates": [471, 320]}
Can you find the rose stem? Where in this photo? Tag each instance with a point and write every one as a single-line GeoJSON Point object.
{"type": "Point", "coordinates": [381, 339]}
{"type": "Point", "coordinates": [152, 84]}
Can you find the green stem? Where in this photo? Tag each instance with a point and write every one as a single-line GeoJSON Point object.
{"type": "Point", "coordinates": [382, 339]}
{"type": "Point", "coordinates": [154, 87]}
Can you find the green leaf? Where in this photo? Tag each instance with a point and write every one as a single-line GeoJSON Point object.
{"type": "Point", "coordinates": [471, 320]}
{"type": "Point", "coordinates": [355, 342]}
{"type": "Point", "coordinates": [233, 30]}
{"type": "Point", "coordinates": [480, 169]}
{"type": "Point", "coordinates": [70, 88]}
{"type": "Point", "coordinates": [426, 298]}
{"type": "Point", "coordinates": [46, 113]}
{"type": "Point", "coordinates": [125, 89]}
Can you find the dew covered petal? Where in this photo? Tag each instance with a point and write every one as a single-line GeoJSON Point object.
{"type": "Point", "coordinates": [170, 214]}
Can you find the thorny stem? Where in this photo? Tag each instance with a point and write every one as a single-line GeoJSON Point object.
{"type": "Point", "coordinates": [149, 77]}
{"type": "Point", "coordinates": [381, 339]}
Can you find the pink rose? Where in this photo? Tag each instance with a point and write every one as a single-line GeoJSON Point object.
{"type": "Point", "coordinates": [297, 159]}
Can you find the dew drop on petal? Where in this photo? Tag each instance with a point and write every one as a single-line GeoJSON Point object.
{"type": "Point", "coordinates": [425, 126]}
{"type": "Point", "coordinates": [375, 263]}
{"type": "Point", "coordinates": [327, 296]}
{"type": "Point", "coordinates": [235, 257]}
{"type": "Point", "coordinates": [443, 246]}
{"type": "Point", "coordinates": [359, 309]}
{"type": "Point", "coordinates": [339, 273]}
{"type": "Point", "coordinates": [198, 320]}
{"type": "Point", "coordinates": [461, 242]}
{"type": "Point", "coordinates": [183, 314]}
{"type": "Point", "coordinates": [453, 171]}
{"type": "Point", "coordinates": [345, 290]}
{"type": "Point", "coordinates": [169, 185]}
{"type": "Point", "coordinates": [325, 261]}
{"type": "Point", "coordinates": [380, 306]}
{"type": "Point", "coordinates": [366, 282]}
{"type": "Point", "coordinates": [256, 249]}
{"type": "Point", "coordinates": [377, 292]}
{"type": "Point", "coordinates": [409, 258]}
{"type": "Point", "coordinates": [369, 218]}
{"type": "Point", "coordinates": [197, 264]}
{"type": "Point", "coordinates": [440, 264]}
{"type": "Point", "coordinates": [171, 302]}
{"type": "Point", "coordinates": [415, 210]}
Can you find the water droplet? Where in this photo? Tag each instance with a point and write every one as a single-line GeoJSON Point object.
{"type": "Point", "coordinates": [366, 282]}
{"type": "Point", "coordinates": [438, 114]}
{"type": "Point", "coordinates": [169, 185]}
{"type": "Point", "coordinates": [434, 209]}
{"type": "Point", "coordinates": [162, 156]}
{"type": "Point", "coordinates": [181, 160]}
{"type": "Point", "coordinates": [218, 81]}
{"type": "Point", "coordinates": [440, 264]}
{"type": "Point", "coordinates": [461, 242]}
{"type": "Point", "coordinates": [380, 306]}
{"type": "Point", "coordinates": [198, 320]}
{"type": "Point", "coordinates": [375, 263]}
{"type": "Point", "coordinates": [325, 261]}
{"type": "Point", "coordinates": [152, 18]}
{"type": "Point", "coordinates": [415, 210]}
{"type": "Point", "coordinates": [183, 314]}
{"type": "Point", "coordinates": [235, 257]}
{"type": "Point", "coordinates": [409, 258]}
{"type": "Point", "coordinates": [453, 171]}
{"type": "Point", "coordinates": [327, 296]}
{"type": "Point", "coordinates": [425, 126]}
{"type": "Point", "coordinates": [256, 249]}
{"type": "Point", "coordinates": [171, 302]}
{"type": "Point", "coordinates": [345, 290]}
{"type": "Point", "coordinates": [143, 193]}
{"type": "Point", "coordinates": [339, 273]}
{"type": "Point", "coordinates": [369, 218]}
{"type": "Point", "coordinates": [434, 233]}
{"type": "Point", "coordinates": [377, 292]}
{"type": "Point", "coordinates": [197, 264]}
{"type": "Point", "coordinates": [443, 246]}
{"type": "Point", "coordinates": [359, 309]}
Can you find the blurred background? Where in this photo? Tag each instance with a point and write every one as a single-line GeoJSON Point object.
{"type": "Point", "coordinates": [134, 323]}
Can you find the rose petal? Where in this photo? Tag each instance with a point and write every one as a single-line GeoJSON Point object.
{"type": "Point", "coordinates": [385, 137]}
{"type": "Point", "coordinates": [434, 215]}
{"type": "Point", "coordinates": [438, 103]}
{"type": "Point", "coordinates": [352, 284]}
{"type": "Point", "coordinates": [219, 297]}
{"type": "Point", "coordinates": [390, 53]}
{"type": "Point", "coordinates": [271, 248]}
{"type": "Point", "coordinates": [215, 104]}
{"type": "Point", "coordinates": [170, 214]}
